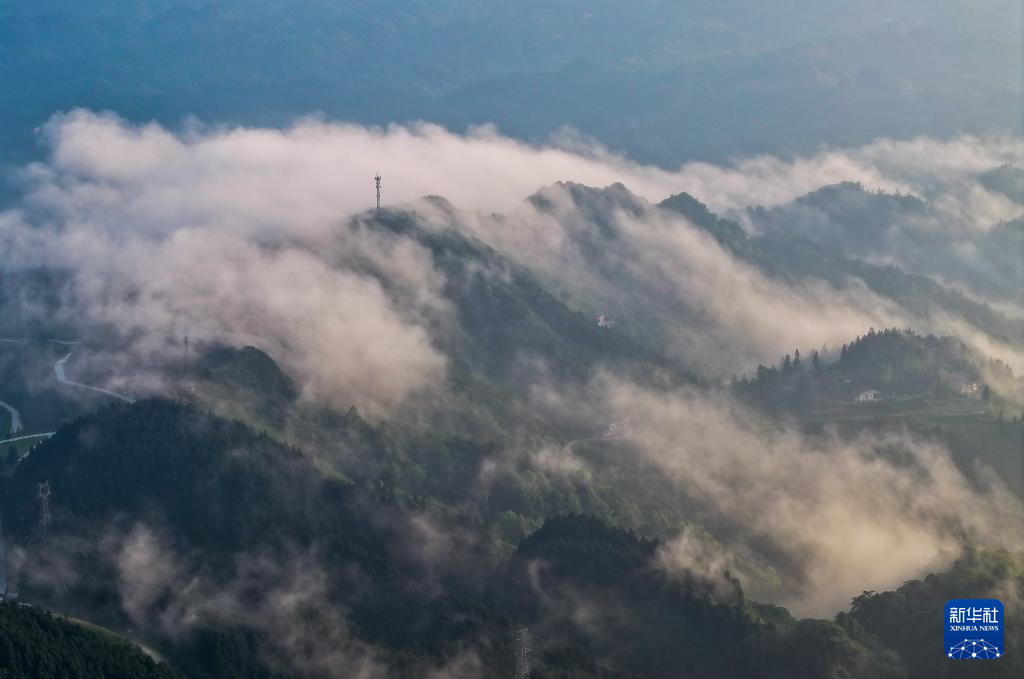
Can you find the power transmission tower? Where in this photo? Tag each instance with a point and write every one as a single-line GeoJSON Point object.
{"type": "Point", "coordinates": [521, 650]}
{"type": "Point", "coordinates": [44, 506]}
{"type": "Point", "coordinates": [184, 368]}
{"type": "Point", "coordinates": [377, 180]}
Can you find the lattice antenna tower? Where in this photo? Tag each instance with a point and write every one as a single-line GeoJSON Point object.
{"type": "Point", "coordinates": [184, 365]}
{"type": "Point", "coordinates": [44, 506]}
{"type": "Point", "coordinates": [521, 650]}
{"type": "Point", "coordinates": [376, 180]}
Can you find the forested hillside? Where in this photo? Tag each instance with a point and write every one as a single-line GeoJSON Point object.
{"type": "Point", "coordinates": [654, 624]}
{"type": "Point", "coordinates": [509, 339]}
{"type": "Point", "coordinates": [620, 436]}
{"type": "Point", "coordinates": [892, 362]}
{"type": "Point", "coordinates": [902, 618]}
{"type": "Point", "coordinates": [35, 643]}
{"type": "Point", "coordinates": [203, 493]}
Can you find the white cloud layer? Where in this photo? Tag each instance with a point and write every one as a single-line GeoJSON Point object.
{"type": "Point", "coordinates": [245, 236]}
{"type": "Point", "coordinates": [241, 235]}
{"type": "Point", "coordinates": [321, 170]}
{"type": "Point", "coordinates": [834, 517]}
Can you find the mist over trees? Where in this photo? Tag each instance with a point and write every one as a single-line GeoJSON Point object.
{"type": "Point", "coordinates": [472, 339]}
{"type": "Point", "coordinates": [39, 644]}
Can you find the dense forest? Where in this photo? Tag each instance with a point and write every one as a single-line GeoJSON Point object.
{"type": "Point", "coordinates": [510, 339]}
{"type": "Point", "coordinates": [903, 618]}
{"type": "Point", "coordinates": [210, 490]}
{"type": "Point", "coordinates": [35, 643]}
{"type": "Point", "coordinates": [891, 362]}
{"type": "Point", "coordinates": [573, 478]}
{"type": "Point", "coordinates": [239, 469]}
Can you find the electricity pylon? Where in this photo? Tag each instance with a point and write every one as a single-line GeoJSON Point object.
{"type": "Point", "coordinates": [521, 649]}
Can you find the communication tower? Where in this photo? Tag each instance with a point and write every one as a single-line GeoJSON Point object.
{"type": "Point", "coordinates": [44, 506]}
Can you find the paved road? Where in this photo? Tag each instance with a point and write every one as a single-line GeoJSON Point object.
{"type": "Point", "coordinates": [22, 438]}
{"type": "Point", "coordinates": [15, 417]}
{"type": "Point", "coordinates": [55, 341]}
{"type": "Point", "coordinates": [4, 442]}
{"type": "Point", "coordinates": [61, 373]}
{"type": "Point", "coordinates": [62, 377]}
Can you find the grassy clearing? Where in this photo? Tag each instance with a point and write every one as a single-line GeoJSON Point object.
{"type": "Point", "coordinates": [111, 634]}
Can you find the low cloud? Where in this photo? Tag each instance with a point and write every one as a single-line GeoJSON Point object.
{"type": "Point", "coordinates": [286, 600]}
{"type": "Point", "coordinates": [252, 236]}
{"type": "Point", "coordinates": [315, 171]}
{"type": "Point", "coordinates": [831, 517]}
{"type": "Point", "coordinates": [220, 237]}
{"type": "Point", "coordinates": [244, 235]}
{"type": "Point", "coordinates": [657, 275]}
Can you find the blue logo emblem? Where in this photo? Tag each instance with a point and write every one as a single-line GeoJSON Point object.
{"type": "Point", "coordinates": [974, 629]}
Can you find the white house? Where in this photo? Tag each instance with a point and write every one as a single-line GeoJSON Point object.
{"type": "Point", "coordinates": [616, 429]}
{"type": "Point", "coordinates": [869, 395]}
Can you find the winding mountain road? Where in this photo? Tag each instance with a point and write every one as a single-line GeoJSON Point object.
{"type": "Point", "coordinates": [29, 436]}
{"type": "Point", "coordinates": [58, 369]}
{"type": "Point", "coordinates": [15, 417]}
{"type": "Point", "coordinates": [62, 377]}
{"type": "Point", "coordinates": [52, 341]}
{"type": "Point", "coordinates": [61, 374]}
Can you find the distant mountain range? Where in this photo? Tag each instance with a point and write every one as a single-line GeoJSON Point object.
{"type": "Point", "coordinates": [661, 81]}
